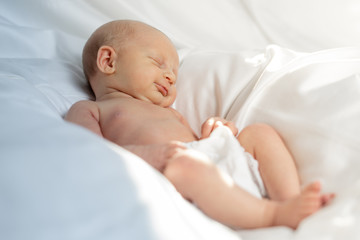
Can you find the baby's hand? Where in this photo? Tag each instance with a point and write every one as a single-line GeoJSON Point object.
{"type": "Point", "coordinates": [212, 123]}
{"type": "Point", "coordinates": [157, 155]}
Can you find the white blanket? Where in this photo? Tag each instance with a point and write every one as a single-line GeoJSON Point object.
{"type": "Point", "coordinates": [58, 181]}
{"type": "Point", "coordinates": [312, 100]}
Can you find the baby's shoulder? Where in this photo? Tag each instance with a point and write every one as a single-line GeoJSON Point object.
{"type": "Point", "coordinates": [84, 105]}
{"type": "Point", "coordinates": [82, 109]}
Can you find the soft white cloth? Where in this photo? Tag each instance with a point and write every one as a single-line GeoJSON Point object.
{"type": "Point", "coordinates": [57, 181]}
{"type": "Point", "coordinates": [225, 151]}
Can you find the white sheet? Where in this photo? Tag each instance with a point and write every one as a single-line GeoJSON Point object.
{"type": "Point", "coordinates": [311, 99]}
{"type": "Point", "coordinates": [60, 181]}
{"type": "Point", "coordinates": [307, 25]}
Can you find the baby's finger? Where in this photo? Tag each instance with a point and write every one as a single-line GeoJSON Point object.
{"type": "Point", "coordinates": [207, 128]}
{"type": "Point", "coordinates": [232, 127]}
{"type": "Point", "coordinates": [218, 124]}
{"type": "Point", "coordinates": [177, 144]}
{"type": "Point", "coordinates": [173, 148]}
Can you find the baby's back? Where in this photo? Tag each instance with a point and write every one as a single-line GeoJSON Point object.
{"type": "Point", "coordinates": [131, 121]}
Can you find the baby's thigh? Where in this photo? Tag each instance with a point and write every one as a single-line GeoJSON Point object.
{"type": "Point", "coordinates": [188, 163]}
{"type": "Point", "coordinates": [188, 169]}
{"type": "Point", "coordinates": [258, 136]}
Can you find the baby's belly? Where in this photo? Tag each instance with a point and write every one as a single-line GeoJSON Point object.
{"type": "Point", "coordinates": [150, 133]}
{"type": "Point", "coordinates": [165, 134]}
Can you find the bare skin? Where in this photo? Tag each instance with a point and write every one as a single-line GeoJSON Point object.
{"type": "Point", "coordinates": [134, 89]}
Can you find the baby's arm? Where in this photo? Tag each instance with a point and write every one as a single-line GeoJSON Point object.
{"type": "Point", "coordinates": [86, 114]}
{"type": "Point", "coordinates": [157, 155]}
{"type": "Point", "coordinates": [210, 124]}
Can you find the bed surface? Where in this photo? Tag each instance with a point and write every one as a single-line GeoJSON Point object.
{"type": "Point", "coordinates": [282, 62]}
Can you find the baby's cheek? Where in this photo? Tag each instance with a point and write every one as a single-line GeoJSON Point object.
{"type": "Point", "coordinates": [171, 100]}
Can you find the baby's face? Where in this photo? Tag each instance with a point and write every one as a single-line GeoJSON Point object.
{"type": "Point", "coordinates": [147, 68]}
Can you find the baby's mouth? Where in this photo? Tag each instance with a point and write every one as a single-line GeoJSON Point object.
{"type": "Point", "coordinates": [163, 90]}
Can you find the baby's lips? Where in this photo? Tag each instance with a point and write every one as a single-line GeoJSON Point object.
{"type": "Point", "coordinates": [162, 89]}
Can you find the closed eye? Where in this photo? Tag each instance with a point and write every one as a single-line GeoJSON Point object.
{"type": "Point", "coordinates": [156, 61]}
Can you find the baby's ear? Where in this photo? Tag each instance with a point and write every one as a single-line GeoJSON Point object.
{"type": "Point", "coordinates": [106, 59]}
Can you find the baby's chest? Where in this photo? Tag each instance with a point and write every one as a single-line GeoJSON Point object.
{"type": "Point", "coordinates": [136, 114]}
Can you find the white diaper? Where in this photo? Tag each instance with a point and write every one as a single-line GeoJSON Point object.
{"type": "Point", "coordinates": [224, 151]}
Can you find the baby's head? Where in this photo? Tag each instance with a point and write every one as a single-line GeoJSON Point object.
{"type": "Point", "coordinates": [133, 58]}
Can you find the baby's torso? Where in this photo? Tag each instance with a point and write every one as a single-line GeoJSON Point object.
{"type": "Point", "coordinates": [130, 121]}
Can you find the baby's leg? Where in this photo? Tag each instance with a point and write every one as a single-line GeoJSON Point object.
{"type": "Point", "coordinates": [215, 193]}
{"type": "Point", "coordinates": [217, 196]}
{"type": "Point", "coordinates": [293, 211]}
{"type": "Point", "coordinates": [276, 165]}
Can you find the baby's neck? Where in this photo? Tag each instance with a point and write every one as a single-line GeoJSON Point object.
{"type": "Point", "coordinates": [113, 94]}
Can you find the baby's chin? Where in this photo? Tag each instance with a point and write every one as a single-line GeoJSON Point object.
{"type": "Point", "coordinates": [165, 103]}
{"type": "Point", "coordinates": [161, 102]}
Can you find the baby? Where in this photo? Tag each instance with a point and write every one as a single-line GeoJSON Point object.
{"type": "Point", "coordinates": [132, 69]}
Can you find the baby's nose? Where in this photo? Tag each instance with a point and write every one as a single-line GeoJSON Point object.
{"type": "Point", "coordinates": [170, 77]}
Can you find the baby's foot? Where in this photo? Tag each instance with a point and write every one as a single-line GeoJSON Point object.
{"type": "Point", "coordinates": [292, 212]}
